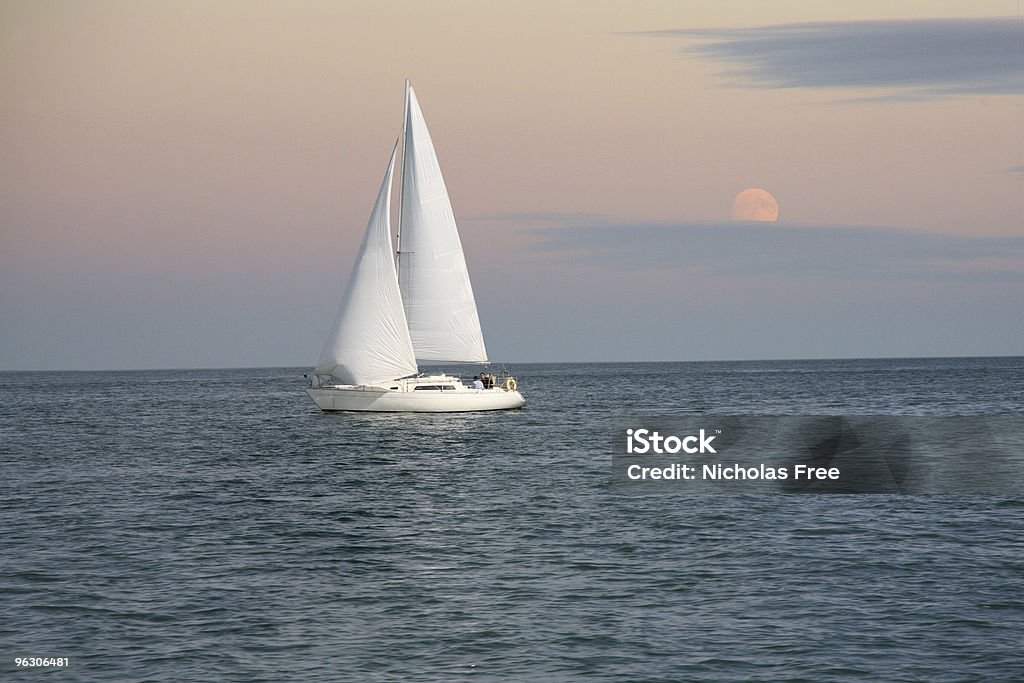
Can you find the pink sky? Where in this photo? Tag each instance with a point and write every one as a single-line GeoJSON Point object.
{"type": "Point", "coordinates": [184, 183]}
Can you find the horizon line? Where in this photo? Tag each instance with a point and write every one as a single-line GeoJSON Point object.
{"type": "Point", "coordinates": [550, 362]}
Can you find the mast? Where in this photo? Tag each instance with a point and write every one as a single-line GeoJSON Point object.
{"type": "Point", "coordinates": [401, 185]}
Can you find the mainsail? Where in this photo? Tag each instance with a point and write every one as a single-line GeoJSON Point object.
{"type": "Point", "coordinates": [369, 341]}
{"type": "Point", "coordinates": [438, 297]}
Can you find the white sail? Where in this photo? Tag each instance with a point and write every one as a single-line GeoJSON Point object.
{"type": "Point", "coordinates": [438, 297]}
{"type": "Point", "coordinates": [369, 341]}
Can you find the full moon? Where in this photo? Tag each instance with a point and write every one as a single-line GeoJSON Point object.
{"type": "Point", "coordinates": [755, 204]}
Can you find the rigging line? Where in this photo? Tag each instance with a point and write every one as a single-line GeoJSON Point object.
{"type": "Point", "coordinates": [401, 186]}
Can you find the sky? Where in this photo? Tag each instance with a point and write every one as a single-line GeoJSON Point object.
{"type": "Point", "coordinates": [185, 184]}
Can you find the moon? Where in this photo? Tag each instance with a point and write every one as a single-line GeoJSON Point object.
{"type": "Point", "coordinates": [755, 204]}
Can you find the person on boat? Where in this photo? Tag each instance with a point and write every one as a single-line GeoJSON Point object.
{"type": "Point", "coordinates": [477, 384]}
{"type": "Point", "coordinates": [487, 380]}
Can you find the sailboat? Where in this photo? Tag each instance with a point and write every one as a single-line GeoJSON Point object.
{"type": "Point", "coordinates": [408, 303]}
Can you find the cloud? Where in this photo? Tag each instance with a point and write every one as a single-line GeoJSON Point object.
{"type": "Point", "coordinates": [912, 59]}
{"type": "Point", "coordinates": [781, 250]}
{"type": "Point", "coordinates": [533, 217]}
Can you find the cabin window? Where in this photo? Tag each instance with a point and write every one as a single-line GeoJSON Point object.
{"type": "Point", "coordinates": [435, 387]}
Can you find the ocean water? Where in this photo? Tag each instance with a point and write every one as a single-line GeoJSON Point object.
{"type": "Point", "coordinates": [214, 525]}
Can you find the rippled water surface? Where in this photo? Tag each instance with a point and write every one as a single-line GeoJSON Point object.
{"type": "Point", "coordinates": [214, 525]}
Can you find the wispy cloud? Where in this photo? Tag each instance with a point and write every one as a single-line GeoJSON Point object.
{"type": "Point", "coordinates": [545, 218]}
{"type": "Point", "coordinates": [779, 250]}
{"type": "Point", "coordinates": [911, 59]}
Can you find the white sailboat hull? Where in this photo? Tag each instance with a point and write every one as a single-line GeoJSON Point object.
{"type": "Point", "coordinates": [418, 395]}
